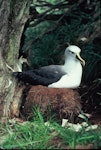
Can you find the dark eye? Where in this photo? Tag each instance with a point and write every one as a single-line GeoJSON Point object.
{"type": "Point", "coordinates": [72, 52]}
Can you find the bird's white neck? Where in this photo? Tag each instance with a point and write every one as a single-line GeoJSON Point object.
{"type": "Point", "coordinates": [70, 60]}
{"type": "Point", "coordinates": [71, 64]}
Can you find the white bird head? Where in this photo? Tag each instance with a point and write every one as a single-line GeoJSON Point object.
{"type": "Point", "coordinates": [74, 51]}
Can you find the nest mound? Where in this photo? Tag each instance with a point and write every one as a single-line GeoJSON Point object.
{"type": "Point", "coordinates": [61, 101]}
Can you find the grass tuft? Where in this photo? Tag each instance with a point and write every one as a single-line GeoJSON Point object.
{"type": "Point", "coordinates": [38, 135]}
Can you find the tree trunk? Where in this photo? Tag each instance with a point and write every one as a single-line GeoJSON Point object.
{"type": "Point", "coordinates": [13, 15]}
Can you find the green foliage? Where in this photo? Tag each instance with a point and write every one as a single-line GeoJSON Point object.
{"type": "Point", "coordinates": [92, 70]}
{"type": "Point", "coordinates": [37, 135]}
{"type": "Point", "coordinates": [31, 135]}
{"type": "Point", "coordinates": [83, 137]}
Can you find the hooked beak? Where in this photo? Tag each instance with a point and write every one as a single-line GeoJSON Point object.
{"type": "Point", "coordinates": [24, 60]}
{"type": "Point", "coordinates": [82, 61]}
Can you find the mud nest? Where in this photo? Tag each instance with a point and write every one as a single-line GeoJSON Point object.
{"type": "Point", "coordinates": [64, 103]}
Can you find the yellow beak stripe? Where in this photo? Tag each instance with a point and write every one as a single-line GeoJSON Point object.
{"type": "Point", "coordinates": [82, 61]}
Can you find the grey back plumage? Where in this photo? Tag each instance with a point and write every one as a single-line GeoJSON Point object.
{"type": "Point", "coordinates": [42, 76]}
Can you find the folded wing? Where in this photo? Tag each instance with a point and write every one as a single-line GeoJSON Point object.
{"type": "Point", "coordinates": [42, 76]}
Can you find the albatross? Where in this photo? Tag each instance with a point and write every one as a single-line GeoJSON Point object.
{"type": "Point", "coordinates": [68, 75]}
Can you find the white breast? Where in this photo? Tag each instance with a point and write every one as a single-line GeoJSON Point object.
{"type": "Point", "coordinates": [73, 77]}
